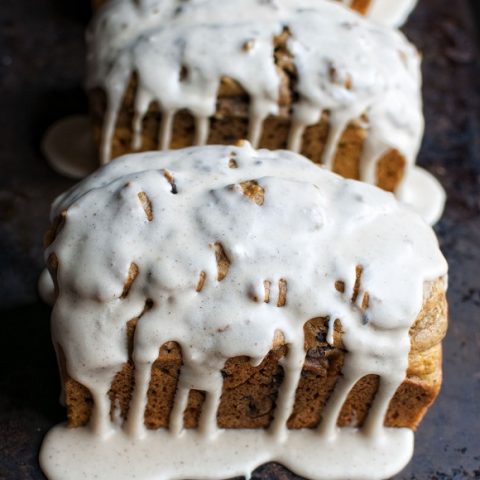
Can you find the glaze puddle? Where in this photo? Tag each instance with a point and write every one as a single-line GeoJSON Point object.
{"type": "Point", "coordinates": [77, 454]}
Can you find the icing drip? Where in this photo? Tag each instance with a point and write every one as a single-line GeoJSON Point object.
{"type": "Point", "coordinates": [45, 288]}
{"type": "Point", "coordinates": [391, 12]}
{"type": "Point", "coordinates": [423, 193]}
{"type": "Point", "coordinates": [198, 254]}
{"type": "Point", "coordinates": [180, 52]}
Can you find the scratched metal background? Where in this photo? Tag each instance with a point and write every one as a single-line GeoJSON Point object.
{"type": "Point", "coordinates": [41, 69]}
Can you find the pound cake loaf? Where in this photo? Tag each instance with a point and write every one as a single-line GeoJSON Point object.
{"type": "Point", "coordinates": [308, 75]}
{"type": "Point", "coordinates": [243, 303]}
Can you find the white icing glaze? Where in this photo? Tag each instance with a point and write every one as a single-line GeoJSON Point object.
{"type": "Point", "coordinates": [69, 147]}
{"type": "Point", "coordinates": [346, 64]}
{"type": "Point", "coordinates": [424, 194]}
{"type": "Point", "coordinates": [313, 229]}
{"type": "Point", "coordinates": [233, 453]}
{"type": "Point", "coordinates": [391, 12]}
{"type": "Point", "coordinates": [46, 288]}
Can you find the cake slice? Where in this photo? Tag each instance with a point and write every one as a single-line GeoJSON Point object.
{"type": "Point", "coordinates": [223, 307]}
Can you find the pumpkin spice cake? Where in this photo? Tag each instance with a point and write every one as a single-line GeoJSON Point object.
{"type": "Point", "coordinates": [220, 307]}
{"type": "Point", "coordinates": [307, 75]}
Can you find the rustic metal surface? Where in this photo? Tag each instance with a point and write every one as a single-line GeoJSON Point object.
{"type": "Point", "coordinates": [41, 68]}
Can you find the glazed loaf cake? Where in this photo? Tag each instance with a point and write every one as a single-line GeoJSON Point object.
{"type": "Point", "coordinates": [311, 299]}
{"type": "Point", "coordinates": [308, 75]}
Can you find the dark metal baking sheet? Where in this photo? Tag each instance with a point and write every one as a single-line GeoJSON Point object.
{"type": "Point", "coordinates": [41, 72]}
